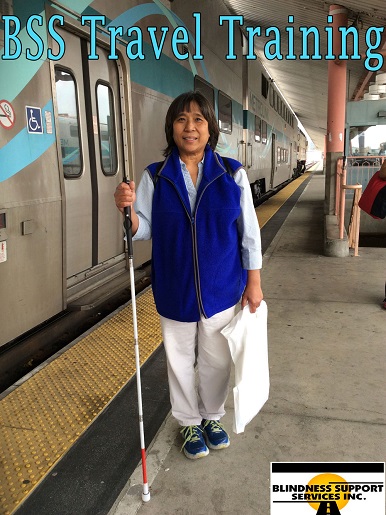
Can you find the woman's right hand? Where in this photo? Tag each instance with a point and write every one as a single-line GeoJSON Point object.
{"type": "Point", "coordinates": [124, 195]}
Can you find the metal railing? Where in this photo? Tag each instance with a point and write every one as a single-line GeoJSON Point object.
{"type": "Point", "coordinates": [360, 169]}
{"type": "Point", "coordinates": [340, 179]}
{"type": "Point", "coordinates": [352, 176]}
{"type": "Point", "coordinates": [340, 205]}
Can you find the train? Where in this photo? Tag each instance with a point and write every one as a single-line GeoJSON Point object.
{"type": "Point", "coordinates": [79, 111]}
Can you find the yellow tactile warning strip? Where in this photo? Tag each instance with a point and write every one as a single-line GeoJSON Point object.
{"type": "Point", "coordinates": [42, 418]}
{"type": "Point", "coordinates": [266, 210]}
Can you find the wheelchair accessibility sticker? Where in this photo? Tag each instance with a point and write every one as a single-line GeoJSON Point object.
{"type": "Point", "coordinates": [34, 120]}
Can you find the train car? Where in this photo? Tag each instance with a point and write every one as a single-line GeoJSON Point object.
{"type": "Point", "coordinates": [82, 105]}
{"type": "Point", "coordinates": [270, 132]}
{"type": "Point", "coordinates": [302, 146]}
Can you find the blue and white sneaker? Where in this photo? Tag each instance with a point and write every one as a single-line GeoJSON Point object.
{"type": "Point", "coordinates": [194, 445]}
{"type": "Point", "coordinates": [216, 436]}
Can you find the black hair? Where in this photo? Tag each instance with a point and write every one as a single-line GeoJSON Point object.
{"type": "Point", "coordinates": [181, 104]}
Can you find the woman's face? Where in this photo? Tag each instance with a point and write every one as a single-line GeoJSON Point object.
{"type": "Point", "coordinates": [191, 132]}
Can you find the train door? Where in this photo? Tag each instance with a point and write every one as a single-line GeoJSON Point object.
{"type": "Point", "coordinates": [89, 128]}
{"type": "Point", "coordinates": [273, 160]}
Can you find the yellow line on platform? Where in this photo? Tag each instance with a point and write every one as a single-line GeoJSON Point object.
{"type": "Point", "coordinates": [266, 210]}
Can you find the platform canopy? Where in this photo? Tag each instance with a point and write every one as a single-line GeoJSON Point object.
{"type": "Point", "coordinates": [303, 81]}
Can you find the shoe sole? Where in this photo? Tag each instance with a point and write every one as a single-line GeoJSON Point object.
{"type": "Point", "coordinates": [196, 456]}
{"type": "Point", "coordinates": [218, 446]}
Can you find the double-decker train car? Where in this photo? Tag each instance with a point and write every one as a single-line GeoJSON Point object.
{"type": "Point", "coordinates": [84, 89]}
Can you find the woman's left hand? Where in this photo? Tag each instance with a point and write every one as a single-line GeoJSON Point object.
{"type": "Point", "coordinates": [253, 293]}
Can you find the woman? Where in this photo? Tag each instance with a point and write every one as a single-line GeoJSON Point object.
{"type": "Point", "coordinates": [382, 175]}
{"type": "Point", "coordinates": [206, 256]}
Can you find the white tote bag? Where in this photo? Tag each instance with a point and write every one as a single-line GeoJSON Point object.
{"type": "Point", "coordinates": [247, 337]}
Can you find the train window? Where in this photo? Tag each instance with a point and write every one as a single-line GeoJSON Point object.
{"type": "Point", "coordinates": [257, 128]}
{"type": "Point", "coordinates": [68, 126]}
{"type": "Point", "coordinates": [74, 130]}
{"type": "Point", "coordinates": [205, 88]}
{"type": "Point", "coordinates": [263, 131]}
{"type": "Point", "coordinates": [107, 134]}
{"type": "Point", "coordinates": [278, 154]}
{"type": "Point", "coordinates": [264, 86]}
{"type": "Point", "coordinates": [271, 96]}
{"type": "Point", "coordinates": [224, 112]}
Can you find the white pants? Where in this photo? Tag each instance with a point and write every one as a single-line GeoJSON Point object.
{"type": "Point", "coordinates": [189, 406]}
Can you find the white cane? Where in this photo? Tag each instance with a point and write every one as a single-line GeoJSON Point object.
{"type": "Point", "coordinates": [129, 237]}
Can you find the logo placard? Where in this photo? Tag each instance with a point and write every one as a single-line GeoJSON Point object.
{"type": "Point", "coordinates": [327, 488]}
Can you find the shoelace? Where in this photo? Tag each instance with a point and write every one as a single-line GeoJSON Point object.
{"type": "Point", "coordinates": [215, 426]}
{"type": "Point", "coordinates": [191, 434]}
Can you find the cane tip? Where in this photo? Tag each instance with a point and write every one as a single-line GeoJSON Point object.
{"type": "Point", "coordinates": [146, 497]}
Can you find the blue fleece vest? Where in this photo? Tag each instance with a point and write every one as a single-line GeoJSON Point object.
{"type": "Point", "coordinates": [196, 257]}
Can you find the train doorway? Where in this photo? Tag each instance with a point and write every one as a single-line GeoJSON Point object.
{"type": "Point", "coordinates": [273, 160]}
{"type": "Point", "coordinates": [89, 127]}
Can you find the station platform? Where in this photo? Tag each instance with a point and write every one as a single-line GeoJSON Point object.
{"type": "Point", "coordinates": [326, 334]}
{"type": "Point", "coordinates": [76, 453]}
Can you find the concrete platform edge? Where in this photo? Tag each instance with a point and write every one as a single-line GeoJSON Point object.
{"type": "Point", "coordinates": [130, 501]}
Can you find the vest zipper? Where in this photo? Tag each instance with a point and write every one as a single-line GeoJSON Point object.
{"type": "Point", "coordinates": [196, 268]}
{"type": "Point", "coordinates": [195, 255]}
{"type": "Point", "coordinates": [194, 235]}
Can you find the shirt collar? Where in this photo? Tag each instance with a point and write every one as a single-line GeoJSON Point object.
{"type": "Point", "coordinates": [200, 163]}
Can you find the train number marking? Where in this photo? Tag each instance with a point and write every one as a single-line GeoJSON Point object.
{"type": "Point", "coordinates": [7, 114]}
{"type": "Point", "coordinates": [34, 120]}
